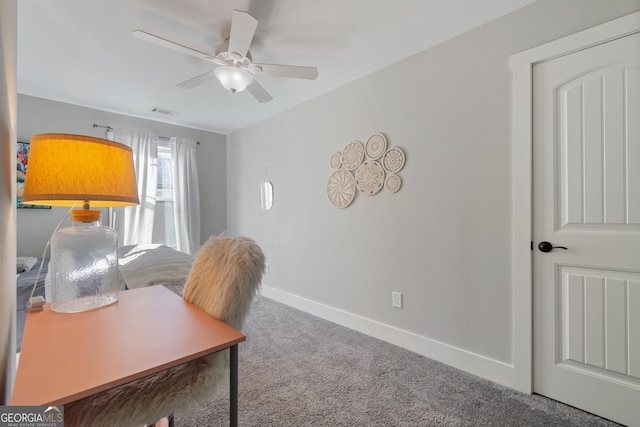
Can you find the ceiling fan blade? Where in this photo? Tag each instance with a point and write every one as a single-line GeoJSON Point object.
{"type": "Point", "coordinates": [258, 92]}
{"type": "Point", "coordinates": [309, 73]}
{"type": "Point", "coordinates": [243, 27]}
{"type": "Point", "coordinates": [198, 80]}
{"type": "Point", "coordinates": [142, 35]}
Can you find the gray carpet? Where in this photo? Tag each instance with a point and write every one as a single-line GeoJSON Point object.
{"type": "Point", "coordinates": [298, 370]}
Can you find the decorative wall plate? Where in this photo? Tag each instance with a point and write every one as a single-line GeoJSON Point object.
{"type": "Point", "coordinates": [341, 188]}
{"type": "Point", "coordinates": [335, 161]}
{"type": "Point", "coordinates": [393, 183]}
{"type": "Point", "coordinates": [393, 160]}
{"type": "Point", "coordinates": [353, 155]}
{"type": "Point", "coordinates": [370, 178]}
{"type": "Point", "coordinates": [376, 146]}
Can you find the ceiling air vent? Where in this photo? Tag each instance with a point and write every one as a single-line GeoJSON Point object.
{"type": "Point", "coordinates": [163, 111]}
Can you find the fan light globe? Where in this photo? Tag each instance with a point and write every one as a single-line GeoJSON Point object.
{"type": "Point", "coordinates": [233, 79]}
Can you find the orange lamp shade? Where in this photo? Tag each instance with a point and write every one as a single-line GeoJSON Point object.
{"type": "Point", "coordinates": [66, 169]}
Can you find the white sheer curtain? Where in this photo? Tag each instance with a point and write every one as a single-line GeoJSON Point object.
{"type": "Point", "coordinates": [134, 224]}
{"type": "Point", "coordinates": [186, 194]}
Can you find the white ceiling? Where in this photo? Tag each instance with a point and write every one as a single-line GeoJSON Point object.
{"type": "Point", "coordinates": [82, 52]}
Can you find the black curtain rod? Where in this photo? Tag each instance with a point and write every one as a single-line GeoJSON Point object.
{"type": "Point", "coordinates": [100, 126]}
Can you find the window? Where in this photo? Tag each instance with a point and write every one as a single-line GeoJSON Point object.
{"type": "Point", "coordinates": [165, 178]}
{"type": "Point", "coordinates": [163, 225]}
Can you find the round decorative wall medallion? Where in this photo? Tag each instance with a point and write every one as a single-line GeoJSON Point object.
{"type": "Point", "coordinates": [393, 160]}
{"type": "Point", "coordinates": [392, 183]}
{"type": "Point", "coordinates": [370, 178]}
{"type": "Point", "coordinates": [335, 161]}
{"type": "Point", "coordinates": [353, 155]}
{"type": "Point", "coordinates": [376, 145]}
{"type": "Point", "coordinates": [341, 188]}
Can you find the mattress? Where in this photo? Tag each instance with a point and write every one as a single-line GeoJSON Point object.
{"type": "Point", "coordinates": [25, 282]}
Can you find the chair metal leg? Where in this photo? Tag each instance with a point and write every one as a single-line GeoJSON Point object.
{"type": "Point", "coordinates": [233, 386]}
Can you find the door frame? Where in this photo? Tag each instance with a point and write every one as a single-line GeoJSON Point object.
{"type": "Point", "coordinates": [522, 179]}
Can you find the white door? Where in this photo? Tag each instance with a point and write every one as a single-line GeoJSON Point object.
{"type": "Point", "coordinates": [586, 197]}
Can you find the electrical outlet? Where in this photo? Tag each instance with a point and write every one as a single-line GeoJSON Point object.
{"type": "Point", "coordinates": [396, 299]}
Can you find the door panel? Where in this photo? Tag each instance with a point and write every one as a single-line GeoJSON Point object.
{"type": "Point", "coordinates": [596, 327]}
{"type": "Point", "coordinates": [599, 186]}
{"type": "Point", "coordinates": [586, 163]}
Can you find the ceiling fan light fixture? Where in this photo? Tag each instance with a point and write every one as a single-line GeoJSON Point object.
{"type": "Point", "coordinates": [233, 79]}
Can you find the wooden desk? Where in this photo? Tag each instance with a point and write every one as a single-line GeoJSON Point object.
{"type": "Point", "coordinates": [68, 356]}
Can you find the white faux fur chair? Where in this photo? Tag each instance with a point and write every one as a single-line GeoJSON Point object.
{"type": "Point", "coordinates": [223, 282]}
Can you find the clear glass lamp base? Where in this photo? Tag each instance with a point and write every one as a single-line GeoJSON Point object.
{"type": "Point", "coordinates": [84, 304]}
{"type": "Point", "coordinates": [84, 265]}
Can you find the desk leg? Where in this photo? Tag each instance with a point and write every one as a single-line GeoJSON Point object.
{"type": "Point", "coordinates": [233, 386]}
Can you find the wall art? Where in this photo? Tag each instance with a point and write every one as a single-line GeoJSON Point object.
{"type": "Point", "coordinates": [22, 161]}
{"type": "Point", "coordinates": [352, 155]}
{"type": "Point", "coordinates": [367, 168]}
{"type": "Point", "coordinates": [341, 188]}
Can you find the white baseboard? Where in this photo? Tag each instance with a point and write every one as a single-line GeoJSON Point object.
{"type": "Point", "coordinates": [482, 366]}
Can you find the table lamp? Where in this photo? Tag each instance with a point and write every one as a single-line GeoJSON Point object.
{"type": "Point", "coordinates": [70, 170]}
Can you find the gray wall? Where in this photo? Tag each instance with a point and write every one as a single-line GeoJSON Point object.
{"type": "Point", "coordinates": [8, 47]}
{"type": "Point", "coordinates": [37, 115]}
{"type": "Point", "coordinates": [444, 239]}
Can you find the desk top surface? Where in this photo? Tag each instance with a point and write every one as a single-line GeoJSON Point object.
{"type": "Point", "coordinates": [68, 356]}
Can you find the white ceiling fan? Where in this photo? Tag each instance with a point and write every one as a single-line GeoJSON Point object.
{"type": "Point", "coordinates": [236, 69]}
